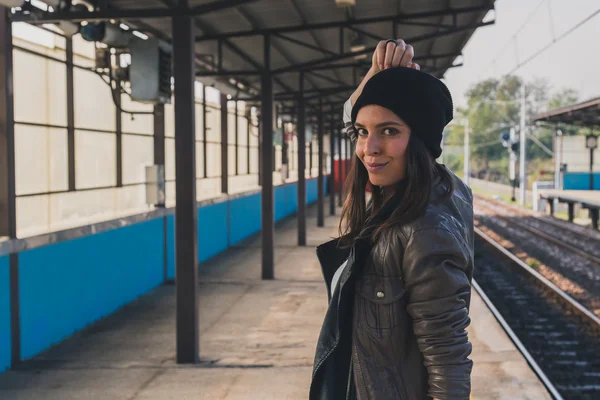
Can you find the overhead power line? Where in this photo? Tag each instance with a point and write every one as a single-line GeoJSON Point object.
{"type": "Point", "coordinates": [565, 34]}
{"type": "Point", "coordinates": [514, 35]}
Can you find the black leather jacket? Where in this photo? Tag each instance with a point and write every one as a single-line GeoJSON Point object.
{"type": "Point", "coordinates": [396, 324]}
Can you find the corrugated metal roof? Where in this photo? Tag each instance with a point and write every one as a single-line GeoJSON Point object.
{"type": "Point", "coordinates": [586, 113]}
{"type": "Point", "coordinates": [438, 30]}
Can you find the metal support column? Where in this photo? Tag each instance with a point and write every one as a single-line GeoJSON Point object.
{"type": "Point", "coordinates": [159, 159]}
{"type": "Point", "coordinates": [340, 162]}
{"type": "Point", "coordinates": [571, 210]}
{"type": "Point", "coordinates": [523, 153]}
{"type": "Point", "coordinates": [237, 140]}
{"type": "Point", "coordinates": [259, 127]}
{"type": "Point", "coordinates": [248, 144]}
{"type": "Point", "coordinates": [310, 158]}
{"type": "Point", "coordinates": [274, 150]}
{"type": "Point", "coordinates": [284, 148]}
{"type": "Point", "coordinates": [8, 224]}
{"type": "Point", "coordinates": [301, 216]}
{"type": "Point", "coordinates": [224, 146]}
{"type": "Point", "coordinates": [594, 215]}
{"type": "Point", "coordinates": [186, 251]}
{"type": "Point", "coordinates": [268, 223]}
{"type": "Point", "coordinates": [159, 134]}
{"type": "Point", "coordinates": [119, 133]}
{"type": "Point", "coordinates": [70, 115]}
{"type": "Point", "coordinates": [320, 182]}
{"type": "Point", "coordinates": [204, 132]}
{"type": "Point", "coordinates": [592, 169]}
{"type": "Point", "coordinates": [332, 165]}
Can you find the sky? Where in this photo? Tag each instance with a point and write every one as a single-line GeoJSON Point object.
{"type": "Point", "coordinates": [522, 28]}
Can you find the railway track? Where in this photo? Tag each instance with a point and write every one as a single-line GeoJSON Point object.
{"type": "Point", "coordinates": [561, 256]}
{"type": "Point", "coordinates": [580, 241]}
{"type": "Point", "coordinates": [559, 337]}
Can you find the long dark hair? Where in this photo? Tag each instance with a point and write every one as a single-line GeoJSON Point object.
{"type": "Point", "coordinates": [421, 171]}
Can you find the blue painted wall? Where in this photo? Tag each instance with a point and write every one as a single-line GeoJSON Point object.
{"type": "Point", "coordinates": [4, 313]}
{"type": "Point", "coordinates": [312, 191]}
{"type": "Point", "coordinates": [580, 181]}
{"type": "Point", "coordinates": [286, 201]}
{"type": "Point", "coordinates": [245, 215]}
{"type": "Point", "coordinates": [171, 246]}
{"type": "Point", "coordinates": [66, 286]}
{"type": "Point", "coordinates": [213, 229]}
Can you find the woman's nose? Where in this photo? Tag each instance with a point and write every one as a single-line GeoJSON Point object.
{"type": "Point", "coordinates": [373, 145]}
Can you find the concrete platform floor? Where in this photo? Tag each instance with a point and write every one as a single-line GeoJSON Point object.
{"type": "Point", "coordinates": [257, 339]}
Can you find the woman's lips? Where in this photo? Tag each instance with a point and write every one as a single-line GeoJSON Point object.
{"type": "Point", "coordinates": [374, 167]}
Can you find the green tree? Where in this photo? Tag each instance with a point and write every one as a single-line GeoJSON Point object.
{"type": "Point", "coordinates": [493, 106]}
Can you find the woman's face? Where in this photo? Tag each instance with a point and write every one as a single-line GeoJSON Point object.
{"type": "Point", "coordinates": [381, 144]}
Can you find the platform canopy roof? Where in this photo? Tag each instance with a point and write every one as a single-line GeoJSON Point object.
{"type": "Point", "coordinates": [586, 114]}
{"type": "Point", "coordinates": [314, 36]}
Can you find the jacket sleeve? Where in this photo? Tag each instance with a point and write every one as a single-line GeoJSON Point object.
{"type": "Point", "coordinates": [435, 267]}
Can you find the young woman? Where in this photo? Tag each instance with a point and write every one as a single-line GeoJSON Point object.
{"type": "Point", "coordinates": [399, 275]}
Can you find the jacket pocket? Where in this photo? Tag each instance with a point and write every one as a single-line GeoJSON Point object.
{"type": "Point", "coordinates": [381, 301]}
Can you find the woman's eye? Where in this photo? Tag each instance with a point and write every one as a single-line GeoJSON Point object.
{"type": "Point", "coordinates": [389, 131]}
{"type": "Point", "coordinates": [362, 132]}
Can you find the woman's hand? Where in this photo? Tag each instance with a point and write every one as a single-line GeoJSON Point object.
{"type": "Point", "coordinates": [387, 55]}
{"type": "Point", "coordinates": [390, 55]}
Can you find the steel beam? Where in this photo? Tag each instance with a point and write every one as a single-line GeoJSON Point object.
{"type": "Point", "coordinates": [328, 79]}
{"type": "Point", "coordinates": [304, 20]}
{"type": "Point", "coordinates": [367, 34]}
{"type": "Point", "coordinates": [268, 223]}
{"type": "Point", "coordinates": [320, 179]}
{"type": "Point", "coordinates": [186, 252]}
{"type": "Point", "coordinates": [275, 44]}
{"type": "Point", "coordinates": [345, 56]}
{"type": "Point", "coordinates": [237, 50]}
{"type": "Point", "coordinates": [332, 164]}
{"type": "Point", "coordinates": [349, 22]}
{"type": "Point", "coordinates": [224, 146]}
{"type": "Point", "coordinates": [303, 44]}
{"type": "Point", "coordinates": [246, 72]}
{"type": "Point", "coordinates": [301, 215]}
{"type": "Point", "coordinates": [42, 17]}
{"type": "Point", "coordinates": [70, 115]}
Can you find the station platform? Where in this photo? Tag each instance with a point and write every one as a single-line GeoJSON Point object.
{"type": "Point", "coordinates": [591, 197]}
{"type": "Point", "coordinates": [587, 199]}
{"type": "Point", "coordinates": [257, 338]}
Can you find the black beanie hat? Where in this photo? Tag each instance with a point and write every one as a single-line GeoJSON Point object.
{"type": "Point", "coordinates": [418, 98]}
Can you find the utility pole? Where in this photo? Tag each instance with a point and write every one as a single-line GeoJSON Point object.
{"type": "Point", "coordinates": [557, 157]}
{"type": "Point", "coordinates": [523, 160]}
{"type": "Point", "coordinates": [512, 165]}
{"type": "Point", "coordinates": [467, 169]}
